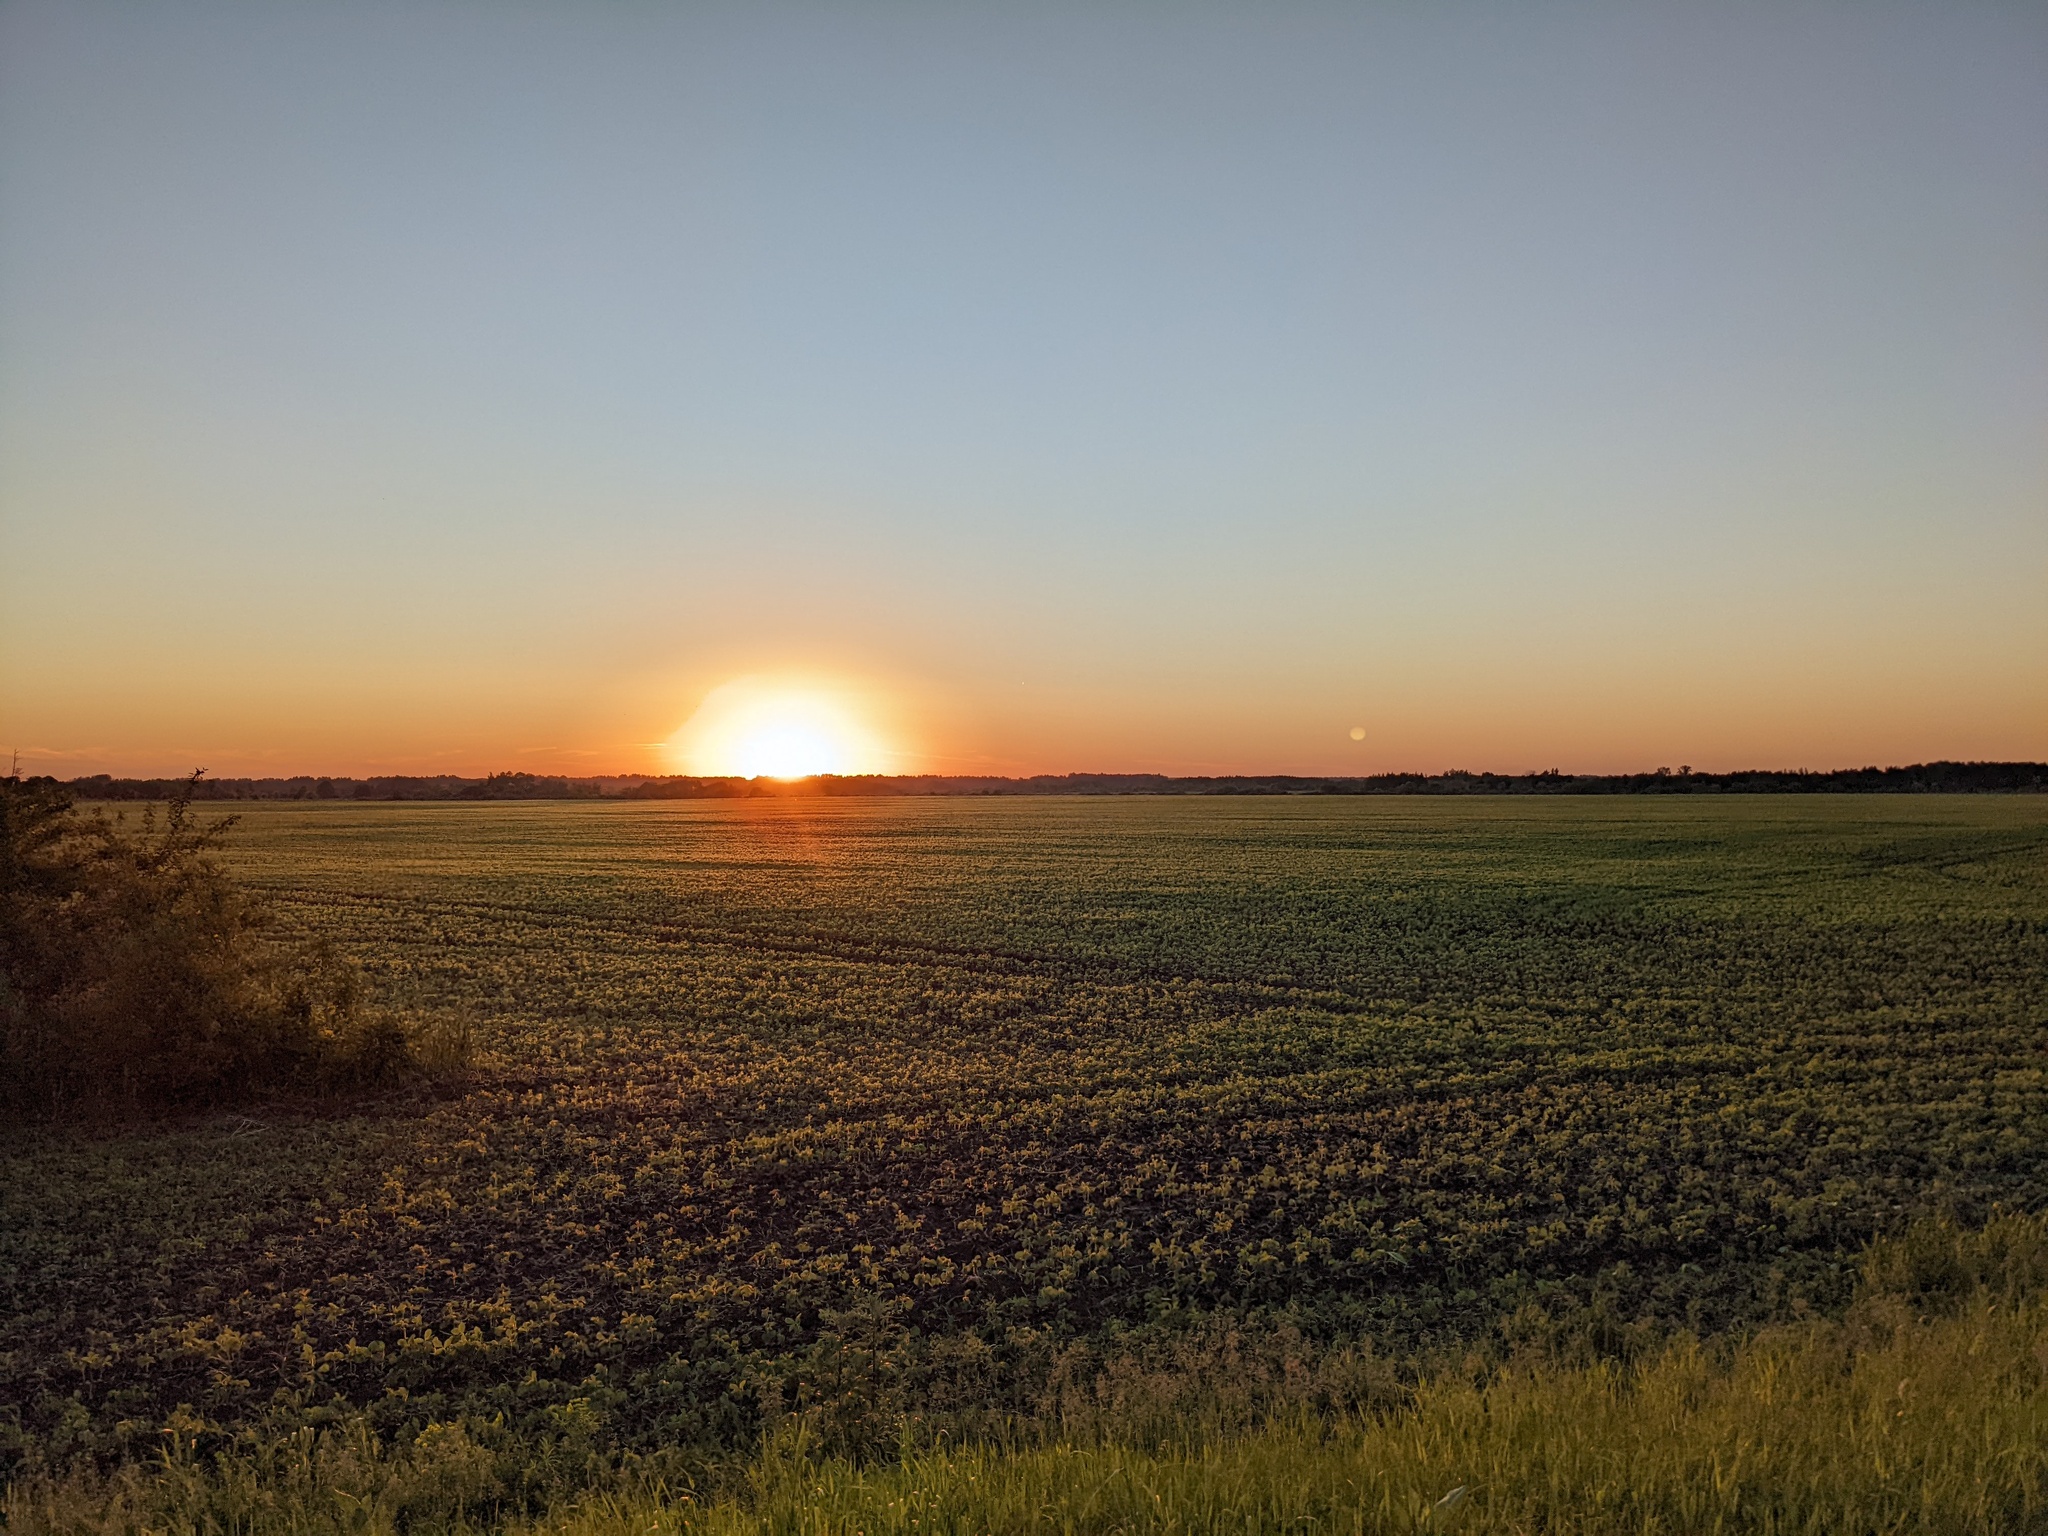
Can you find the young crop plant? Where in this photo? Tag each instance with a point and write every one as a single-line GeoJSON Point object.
{"type": "Point", "coordinates": [913, 1118]}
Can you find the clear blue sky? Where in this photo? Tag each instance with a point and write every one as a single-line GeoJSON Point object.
{"type": "Point", "coordinates": [423, 386]}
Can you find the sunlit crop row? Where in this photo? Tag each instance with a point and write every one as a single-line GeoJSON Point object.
{"type": "Point", "coordinates": [947, 1085]}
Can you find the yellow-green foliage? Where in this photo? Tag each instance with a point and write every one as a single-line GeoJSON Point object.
{"type": "Point", "coordinates": [921, 1118]}
{"type": "Point", "coordinates": [1938, 1427]}
{"type": "Point", "coordinates": [1895, 1420]}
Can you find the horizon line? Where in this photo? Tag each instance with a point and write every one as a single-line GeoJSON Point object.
{"type": "Point", "coordinates": [1970, 775]}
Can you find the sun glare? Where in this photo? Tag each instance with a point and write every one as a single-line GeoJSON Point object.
{"type": "Point", "coordinates": [754, 728]}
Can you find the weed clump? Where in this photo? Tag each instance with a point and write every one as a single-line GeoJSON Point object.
{"type": "Point", "coordinates": [135, 973]}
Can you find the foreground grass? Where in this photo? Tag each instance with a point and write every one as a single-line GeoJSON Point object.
{"type": "Point", "coordinates": [1940, 1427]}
{"type": "Point", "coordinates": [1924, 1409]}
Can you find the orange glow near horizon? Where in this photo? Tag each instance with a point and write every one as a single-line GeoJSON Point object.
{"type": "Point", "coordinates": [1429, 710]}
{"type": "Point", "coordinates": [769, 728]}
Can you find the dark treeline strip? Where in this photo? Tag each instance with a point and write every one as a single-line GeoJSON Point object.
{"type": "Point", "coordinates": [499, 786]}
{"type": "Point", "coordinates": [1921, 778]}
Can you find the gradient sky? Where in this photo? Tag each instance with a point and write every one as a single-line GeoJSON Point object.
{"type": "Point", "coordinates": [442, 387]}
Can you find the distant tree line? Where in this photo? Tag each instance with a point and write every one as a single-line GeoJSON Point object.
{"type": "Point", "coordinates": [498, 786]}
{"type": "Point", "coordinates": [1921, 778]}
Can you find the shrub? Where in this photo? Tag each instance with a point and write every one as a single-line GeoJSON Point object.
{"type": "Point", "coordinates": [134, 971]}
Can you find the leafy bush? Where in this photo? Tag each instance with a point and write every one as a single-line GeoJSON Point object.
{"type": "Point", "coordinates": [134, 971]}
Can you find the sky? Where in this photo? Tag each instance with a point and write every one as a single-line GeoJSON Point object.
{"type": "Point", "coordinates": [439, 387]}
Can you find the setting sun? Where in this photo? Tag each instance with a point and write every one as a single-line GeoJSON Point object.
{"type": "Point", "coordinates": [760, 728]}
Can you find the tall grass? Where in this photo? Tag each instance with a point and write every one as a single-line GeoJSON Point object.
{"type": "Point", "coordinates": [1894, 1425]}
{"type": "Point", "coordinates": [1924, 1410]}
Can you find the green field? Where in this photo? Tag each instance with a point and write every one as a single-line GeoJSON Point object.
{"type": "Point", "coordinates": [938, 1110]}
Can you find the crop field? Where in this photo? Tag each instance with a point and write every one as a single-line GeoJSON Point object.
{"type": "Point", "coordinates": [922, 1104]}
